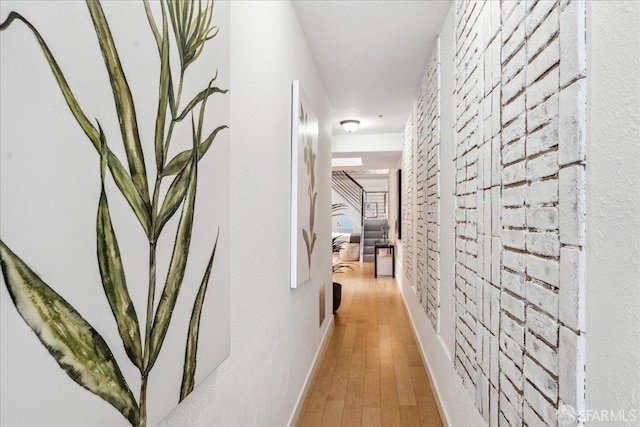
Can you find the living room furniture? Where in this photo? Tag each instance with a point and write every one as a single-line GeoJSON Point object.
{"type": "Point", "coordinates": [392, 249]}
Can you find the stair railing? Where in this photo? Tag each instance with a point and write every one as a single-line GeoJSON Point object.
{"type": "Point", "coordinates": [353, 193]}
{"type": "Point", "coordinates": [356, 196]}
{"type": "Point", "coordinates": [348, 188]}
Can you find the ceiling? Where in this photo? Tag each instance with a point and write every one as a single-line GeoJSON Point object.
{"type": "Point", "coordinates": [371, 56]}
{"type": "Point", "coordinates": [371, 160]}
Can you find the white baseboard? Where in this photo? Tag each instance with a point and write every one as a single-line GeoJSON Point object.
{"type": "Point", "coordinates": [454, 406]}
{"type": "Point", "coordinates": [312, 371]}
{"type": "Point", "coordinates": [434, 386]}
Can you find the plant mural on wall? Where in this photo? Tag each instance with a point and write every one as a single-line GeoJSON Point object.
{"type": "Point", "coordinates": [304, 194]}
{"type": "Point", "coordinates": [309, 235]}
{"type": "Point", "coordinates": [76, 345]}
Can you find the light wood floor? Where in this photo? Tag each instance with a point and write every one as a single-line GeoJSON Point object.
{"type": "Point", "coordinates": [371, 373]}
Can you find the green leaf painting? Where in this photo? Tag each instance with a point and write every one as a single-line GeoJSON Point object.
{"type": "Point", "coordinates": [304, 195]}
{"type": "Point", "coordinates": [71, 341]}
{"type": "Point", "coordinates": [152, 189]}
{"type": "Point", "coordinates": [309, 235]}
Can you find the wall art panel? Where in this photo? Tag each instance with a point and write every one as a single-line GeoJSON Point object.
{"type": "Point", "coordinates": [304, 191]}
{"type": "Point", "coordinates": [114, 221]}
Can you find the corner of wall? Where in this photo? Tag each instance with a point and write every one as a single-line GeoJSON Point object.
{"type": "Point", "coordinates": [613, 212]}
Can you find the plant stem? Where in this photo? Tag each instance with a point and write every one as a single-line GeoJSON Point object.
{"type": "Point", "coordinates": [152, 268]}
{"type": "Point", "coordinates": [150, 303]}
{"type": "Point", "coordinates": [143, 402]}
{"type": "Point", "coordinates": [149, 322]}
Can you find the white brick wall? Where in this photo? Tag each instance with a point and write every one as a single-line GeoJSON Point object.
{"type": "Point", "coordinates": [520, 170]}
{"type": "Point", "coordinates": [421, 164]}
{"type": "Point", "coordinates": [422, 125]}
{"type": "Point", "coordinates": [432, 250]}
{"type": "Point", "coordinates": [471, 110]}
{"type": "Point", "coordinates": [408, 262]}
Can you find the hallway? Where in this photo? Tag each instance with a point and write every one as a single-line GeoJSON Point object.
{"type": "Point", "coordinates": [371, 372]}
{"type": "Point", "coordinates": [166, 190]}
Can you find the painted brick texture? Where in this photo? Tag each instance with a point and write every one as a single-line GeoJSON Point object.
{"type": "Point", "coordinates": [432, 187]}
{"type": "Point", "coordinates": [423, 104]}
{"type": "Point", "coordinates": [536, 225]}
{"type": "Point", "coordinates": [421, 163]}
{"type": "Point", "coordinates": [407, 202]}
{"type": "Point", "coordinates": [520, 166]}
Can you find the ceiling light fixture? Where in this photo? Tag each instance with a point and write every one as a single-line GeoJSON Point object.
{"type": "Point", "coordinates": [350, 125]}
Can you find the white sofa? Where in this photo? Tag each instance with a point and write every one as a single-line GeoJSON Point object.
{"type": "Point", "coordinates": [350, 246]}
{"type": "Point", "coordinates": [350, 252]}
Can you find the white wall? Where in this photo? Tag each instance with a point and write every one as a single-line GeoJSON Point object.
{"type": "Point", "coordinates": [613, 208]}
{"type": "Point", "coordinates": [437, 349]}
{"type": "Point", "coordinates": [370, 142]}
{"type": "Point", "coordinates": [372, 182]}
{"type": "Point", "coordinates": [274, 329]}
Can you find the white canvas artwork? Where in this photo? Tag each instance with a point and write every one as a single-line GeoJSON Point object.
{"type": "Point", "coordinates": [114, 217]}
{"type": "Point", "coordinates": [304, 189]}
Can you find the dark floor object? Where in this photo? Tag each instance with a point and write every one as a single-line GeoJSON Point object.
{"type": "Point", "coordinates": [337, 296]}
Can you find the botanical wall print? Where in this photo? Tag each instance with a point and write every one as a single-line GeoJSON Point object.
{"type": "Point", "coordinates": [304, 194]}
{"type": "Point", "coordinates": [114, 218]}
{"type": "Point", "coordinates": [371, 210]}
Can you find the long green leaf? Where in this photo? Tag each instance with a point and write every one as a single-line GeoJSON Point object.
{"type": "Point", "coordinates": [177, 266]}
{"type": "Point", "coordinates": [113, 278]}
{"type": "Point", "coordinates": [180, 161]}
{"type": "Point", "coordinates": [197, 99]}
{"type": "Point", "coordinates": [77, 347]}
{"type": "Point", "coordinates": [175, 196]}
{"type": "Point", "coordinates": [156, 35]}
{"type": "Point", "coordinates": [152, 24]}
{"type": "Point", "coordinates": [123, 99]}
{"type": "Point", "coordinates": [176, 22]}
{"type": "Point", "coordinates": [128, 189]}
{"type": "Point", "coordinates": [198, 139]}
{"type": "Point", "coordinates": [114, 283]}
{"type": "Point", "coordinates": [120, 175]}
{"type": "Point", "coordinates": [165, 79]}
{"type": "Point", "coordinates": [191, 350]}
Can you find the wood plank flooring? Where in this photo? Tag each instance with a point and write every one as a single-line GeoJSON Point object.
{"type": "Point", "coordinates": [371, 373]}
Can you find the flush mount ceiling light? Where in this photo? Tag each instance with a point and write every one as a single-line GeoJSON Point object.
{"type": "Point", "coordinates": [350, 125]}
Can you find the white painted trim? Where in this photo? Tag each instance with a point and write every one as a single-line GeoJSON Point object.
{"type": "Point", "coordinates": [312, 371]}
{"type": "Point", "coordinates": [434, 387]}
{"type": "Point", "coordinates": [456, 409]}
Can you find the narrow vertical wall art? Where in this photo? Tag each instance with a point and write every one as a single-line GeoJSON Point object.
{"type": "Point", "coordinates": [114, 207]}
{"type": "Point", "coordinates": [304, 191]}
{"type": "Point", "coordinates": [399, 206]}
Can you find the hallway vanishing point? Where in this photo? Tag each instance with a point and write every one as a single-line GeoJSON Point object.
{"type": "Point", "coordinates": [371, 372]}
